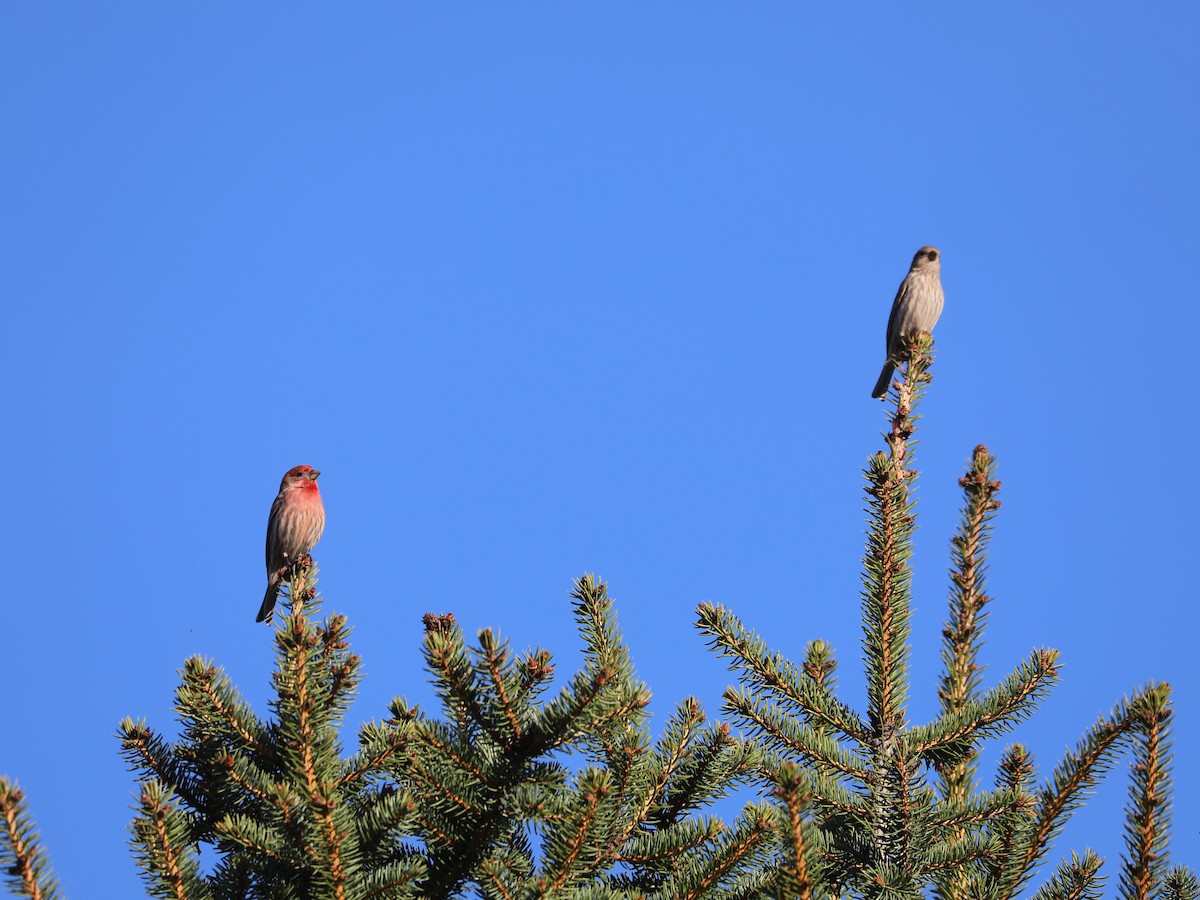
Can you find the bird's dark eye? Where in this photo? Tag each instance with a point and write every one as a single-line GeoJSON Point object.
{"type": "Point", "coordinates": [931, 255]}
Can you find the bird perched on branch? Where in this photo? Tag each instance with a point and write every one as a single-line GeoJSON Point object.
{"type": "Point", "coordinates": [296, 522]}
{"type": "Point", "coordinates": [916, 308]}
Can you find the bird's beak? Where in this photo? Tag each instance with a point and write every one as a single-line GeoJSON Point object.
{"type": "Point", "coordinates": [312, 476]}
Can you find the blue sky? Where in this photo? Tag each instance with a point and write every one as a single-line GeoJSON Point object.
{"type": "Point", "coordinates": [547, 289]}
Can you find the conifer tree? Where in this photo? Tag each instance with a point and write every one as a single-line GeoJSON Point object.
{"type": "Point", "coordinates": [512, 790]}
{"type": "Point", "coordinates": [894, 809]}
{"type": "Point", "coordinates": [622, 824]}
{"type": "Point", "coordinates": [479, 801]}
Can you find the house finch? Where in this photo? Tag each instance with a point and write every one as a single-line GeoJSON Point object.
{"type": "Point", "coordinates": [296, 522]}
{"type": "Point", "coordinates": [916, 308]}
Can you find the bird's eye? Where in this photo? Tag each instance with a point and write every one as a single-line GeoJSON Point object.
{"type": "Point", "coordinates": [931, 255]}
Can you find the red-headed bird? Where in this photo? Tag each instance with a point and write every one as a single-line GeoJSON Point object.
{"type": "Point", "coordinates": [296, 522]}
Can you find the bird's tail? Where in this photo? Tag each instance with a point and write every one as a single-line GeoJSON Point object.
{"type": "Point", "coordinates": [267, 610]}
{"type": "Point", "coordinates": [885, 379]}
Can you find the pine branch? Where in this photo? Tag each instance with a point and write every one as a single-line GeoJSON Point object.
{"type": "Point", "coordinates": [976, 810]}
{"type": "Point", "coordinates": [377, 746]}
{"type": "Point", "coordinates": [690, 768]}
{"type": "Point", "coordinates": [780, 731]}
{"type": "Point", "coordinates": [607, 660]}
{"type": "Point", "coordinates": [821, 667]}
{"type": "Point", "coordinates": [1147, 820]}
{"type": "Point", "coordinates": [887, 581]}
{"type": "Point", "coordinates": [951, 738]}
{"type": "Point", "coordinates": [886, 598]}
{"type": "Point", "coordinates": [151, 755]}
{"type": "Point", "coordinates": [1077, 879]}
{"type": "Point", "coordinates": [299, 586]}
{"type": "Point", "coordinates": [206, 694]}
{"type": "Point", "coordinates": [604, 648]}
{"type": "Point", "coordinates": [21, 854]}
{"type": "Point", "coordinates": [164, 848]}
{"type": "Point", "coordinates": [672, 751]}
{"type": "Point", "coordinates": [314, 668]}
{"type": "Point", "coordinates": [379, 815]}
{"type": "Point", "coordinates": [457, 683]}
{"type": "Point", "coordinates": [252, 834]}
{"type": "Point", "coordinates": [963, 637]}
{"type": "Point", "coordinates": [1180, 883]}
{"type": "Point", "coordinates": [504, 684]}
{"type": "Point", "coordinates": [491, 778]}
{"type": "Point", "coordinates": [534, 673]}
{"type": "Point", "coordinates": [748, 843]}
{"type": "Point", "coordinates": [651, 848]}
{"type": "Point", "coordinates": [586, 706]}
{"type": "Point", "coordinates": [1012, 827]}
{"type": "Point", "coordinates": [762, 671]}
{"type": "Point", "coordinates": [569, 841]}
{"type": "Point", "coordinates": [392, 880]}
{"type": "Point", "coordinates": [887, 610]}
{"type": "Point", "coordinates": [1073, 778]}
{"type": "Point", "coordinates": [714, 763]}
{"type": "Point", "coordinates": [792, 791]}
{"type": "Point", "coordinates": [284, 813]}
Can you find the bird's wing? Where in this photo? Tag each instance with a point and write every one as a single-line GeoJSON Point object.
{"type": "Point", "coordinates": [892, 316]}
{"type": "Point", "coordinates": [273, 526]}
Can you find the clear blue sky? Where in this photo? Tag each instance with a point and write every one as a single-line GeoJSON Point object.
{"type": "Point", "coordinates": [545, 289]}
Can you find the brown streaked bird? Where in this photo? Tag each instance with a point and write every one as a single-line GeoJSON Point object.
{"type": "Point", "coordinates": [916, 308]}
{"type": "Point", "coordinates": [296, 522]}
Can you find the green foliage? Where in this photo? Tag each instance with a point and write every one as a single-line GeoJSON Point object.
{"type": "Point", "coordinates": [1149, 809]}
{"type": "Point", "coordinates": [21, 855]}
{"type": "Point", "coordinates": [1076, 879]}
{"type": "Point", "coordinates": [1180, 883]}
{"type": "Point", "coordinates": [895, 808]}
{"type": "Point", "coordinates": [480, 799]}
{"type": "Point", "coordinates": [512, 789]}
{"type": "Point", "coordinates": [514, 820]}
{"type": "Point", "coordinates": [283, 812]}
